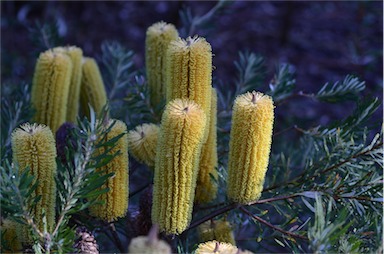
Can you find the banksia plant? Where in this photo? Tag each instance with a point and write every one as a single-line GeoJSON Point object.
{"type": "Point", "coordinates": [50, 88]}
{"type": "Point", "coordinates": [85, 242]}
{"type": "Point", "coordinates": [158, 37]}
{"type": "Point", "coordinates": [149, 244]}
{"type": "Point", "coordinates": [116, 199]}
{"type": "Point", "coordinates": [76, 55]}
{"type": "Point", "coordinates": [249, 146]}
{"type": "Point", "coordinates": [33, 146]}
{"type": "Point", "coordinates": [189, 71]}
{"type": "Point", "coordinates": [177, 159]}
{"type": "Point", "coordinates": [219, 230]}
{"type": "Point", "coordinates": [92, 87]}
{"type": "Point", "coordinates": [10, 236]}
{"type": "Point", "coordinates": [143, 220]}
{"type": "Point", "coordinates": [206, 188]}
{"type": "Point", "coordinates": [142, 142]}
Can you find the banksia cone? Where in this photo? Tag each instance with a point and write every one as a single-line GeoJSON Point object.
{"type": "Point", "coordinates": [85, 242]}
{"type": "Point", "coordinates": [65, 140]}
{"type": "Point", "coordinates": [217, 248]}
{"type": "Point", "coordinates": [219, 230]}
{"type": "Point", "coordinates": [189, 71]}
{"type": "Point", "coordinates": [206, 188]}
{"type": "Point", "coordinates": [33, 146]}
{"type": "Point", "coordinates": [149, 244]}
{"type": "Point", "coordinates": [177, 159]}
{"type": "Point", "coordinates": [50, 88]}
{"type": "Point", "coordinates": [76, 55]}
{"type": "Point", "coordinates": [10, 237]}
{"type": "Point", "coordinates": [142, 142]}
{"type": "Point", "coordinates": [159, 35]}
{"type": "Point", "coordinates": [143, 221]}
{"type": "Point", "coordinates": [92, 87]}
{"type": "Point", "coordinates": [249, 146]}
{"type": "Point", "coordinates": [116, 199]}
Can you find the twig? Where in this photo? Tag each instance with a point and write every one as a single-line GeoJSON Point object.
{"type": "Point", "coordinates": [272, 226]}
{"type": "Point", "coordinates": [116, 238]}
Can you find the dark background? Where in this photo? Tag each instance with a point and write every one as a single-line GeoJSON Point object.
{"type": "Point", "coordinates": [324, 41]}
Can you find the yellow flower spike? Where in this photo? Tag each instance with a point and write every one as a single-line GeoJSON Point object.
{"type": "Point", "coordinates": [158, 37]}
{"type": "Point", "coordinates": [142, 142]}
{"type": "Point", "coordinates": [10, 237]}
{"type": "Point", "coordinates": [92, 87]}
{"type": "Point", "coordinates": [176, 168]}
{"type": "Point", "coordinates": [219, 230]}
{"type": "Point", "coordinates": [116, 199]}
{"type": "Point", "coordinates": [76, 55]}
{"type": "Point", "coordinates": [216, 248]}
{"type": "Point", "coordinates": [33, 146]}
{"type": "Point", "coordinates": [189, 72]}
{"type": "Point", "coordinates": [50, 88]}
{"type": "Point", "coordinates": [249, 146]}
{"type": "Point", "coordinates": [206, 188]}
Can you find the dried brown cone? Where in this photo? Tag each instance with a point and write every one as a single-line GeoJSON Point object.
{"type": "Point", "coordinates": [143, 222]}
{"type": "Point", "coordinates": [85, 242]}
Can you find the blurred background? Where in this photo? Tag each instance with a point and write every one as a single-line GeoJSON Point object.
{"type": "Point", "coordinates": [324, 41]}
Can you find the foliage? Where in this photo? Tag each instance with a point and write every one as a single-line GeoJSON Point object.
{"type": "Point", "coordinates": [322, 193]}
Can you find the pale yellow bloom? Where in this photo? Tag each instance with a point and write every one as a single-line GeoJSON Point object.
{"type": "Point", "coordinates": [33, 146]}
{"type": "Point", "coordinates": [76, 55]}
{"type": "Point", "coordinates": [50, 88]}
{"type": "Point", "coordinates": [177, 159]}
{"type": "Point", "coordinates": [189, 72]}
{"type": "Point", "coordinates": [116, 199]}
{"type": "Point", "coordinates": [219, 230]}
{"type": "Point", "coordinates": [158, 37]}
{"type": "Point", "coordinates": [145, 245]}
{"type": "Point", "coordinates": [249, 146]}
{"type": "Point", "coordinates": [142, 142]}
{"type": "Point", "coordinates": [92, 87]}
{"type": "Point", "coordinates": [216, 247]}
{"type": "Point", "coordinates": [206, 188]}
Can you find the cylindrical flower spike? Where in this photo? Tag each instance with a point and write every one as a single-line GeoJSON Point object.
{"type": "Point", "coordinates": [216, 247]}
{"type": "Point", "coordinates": [50, 88]}
{"type": "Point", "coordinates": [158, 37]}
{"type": "Point", "coordinates": [189, 72]}
{"type": "Point", "coordinates": [76, 55]}
{"type": "Point", "coordinates": [33, 146]}
{"type": "Point", "coordinates": [10, 237]}
{"type": "Point", "coordinates": [206, 188]}
{"type": "Point", "coordinates": [219, 230]}
{"type": "Point", "coordinates": [149, 244]}
{"type": "Point", "coordinates": [116, 199]}
{"type": "Point", "coordinates": [92, 87]}
{"type": "Point", "coordinates": [142, 142]}
{"type": "Point", "coordinates": [249, 146]}
{"type": "Point", "coordinates": [176, 168]}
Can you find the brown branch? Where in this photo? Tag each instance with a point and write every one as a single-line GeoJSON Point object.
{"type": "Point", "coordinates": [272, 226]}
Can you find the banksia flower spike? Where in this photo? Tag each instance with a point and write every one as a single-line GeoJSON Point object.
{"type": "Point", "coordinates": [10, 237]}
{"type": "Point", "coordinates": [206, 188]}
{"type": "Point", "coordinates": [177, 159]}
{"type": "Point", "coordinates": [92, 87]}
{"type": "Point", "coordinates": [219, 230]}
{"type": "Point", "coordinates": [142, 142]}
{"type": "Point", "coordinates": [159, 35]}
{"type": "Point", "coordinates": [50, 88]}
{"type": "Point", "coordinates": [219, 248]}
{"type": "Point", "coordinates": [33, 146]}
{"type": "Point", "coordinates": [189, 71]}
{"type": "Point", "coordinates": [116, 199]}
{"type": "Point", "coordinates": [249, 146]}
{"type": "Point", "coordinates": [149, 244]}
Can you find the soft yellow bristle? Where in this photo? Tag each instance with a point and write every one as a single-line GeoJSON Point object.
{"type": "Point", "coordinates": [116, 199]}
{"type": "Point", "coordinates": [177, 159]}
{"type": "Point", "coordinates": [219, 230]}
{"type": "Point", "coordinates": [142, 142]}
{"type": "Point", "coordinates": [50, 88]}
{"type": "Point", "coordinates": [249, 147]}
{"type": "Point", "coordinates": [158, 37]}
{"type": "Point", "coordinates": [206, 188]}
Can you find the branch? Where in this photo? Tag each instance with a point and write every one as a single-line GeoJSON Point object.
{"type": "Point", "coordinates": [272, 226]}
